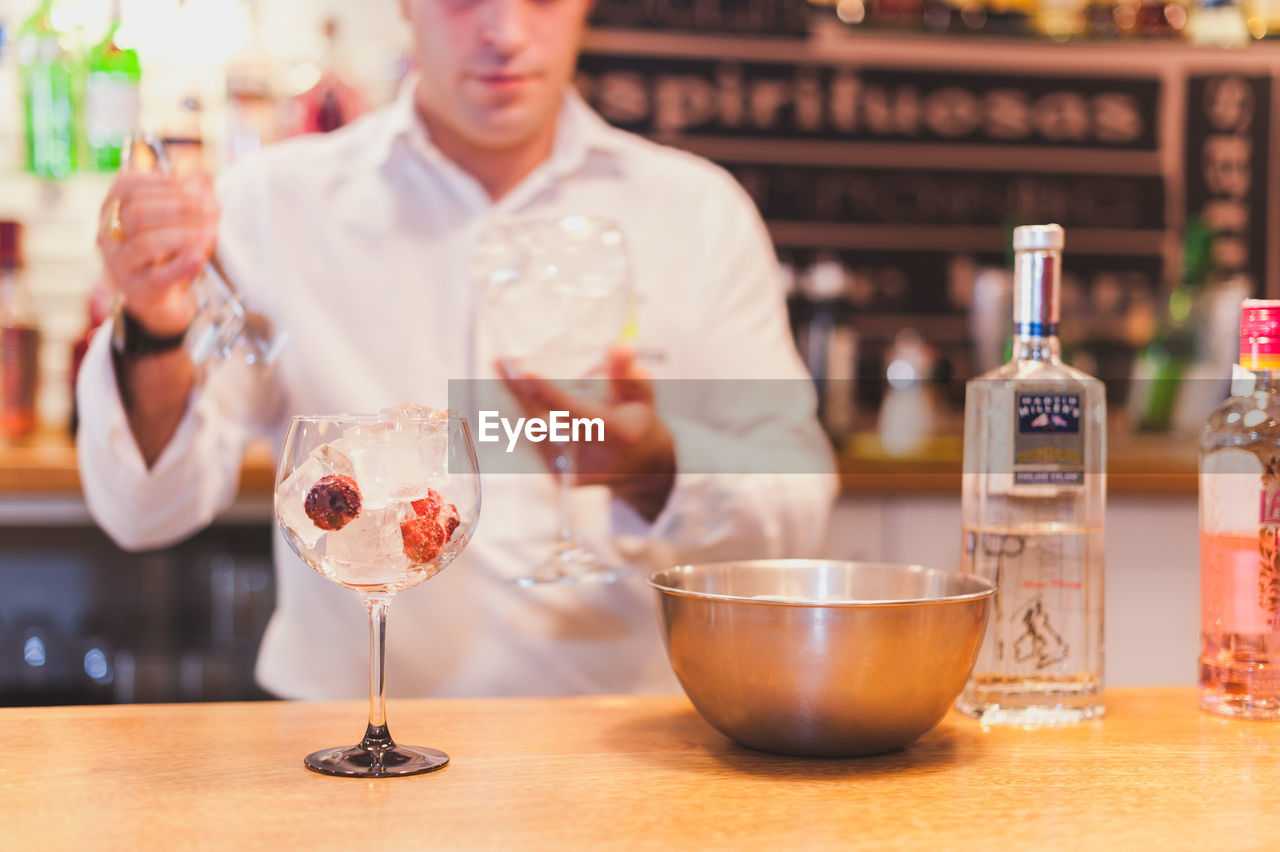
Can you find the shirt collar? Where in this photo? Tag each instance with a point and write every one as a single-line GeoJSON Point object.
{"type": "Point", "coordinates": [580, 131]}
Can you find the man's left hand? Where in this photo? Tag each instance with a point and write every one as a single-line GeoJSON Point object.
{"type": "Point", "coordinates": [637, 458]}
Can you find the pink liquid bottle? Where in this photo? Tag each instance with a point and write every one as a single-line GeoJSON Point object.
{"type": "Point", "coordinates": [1240, 531]}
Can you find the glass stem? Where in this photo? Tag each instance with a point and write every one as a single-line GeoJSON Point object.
{"type": "Point", "coordinates": [377, 736]}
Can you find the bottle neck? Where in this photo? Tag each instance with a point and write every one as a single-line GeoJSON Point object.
{"type": "Point", "coordinates": [1036, 274]}
{"type": "Point", "coordinates": [1264, 378]}
{"type": "Point", "coordinates": [1028, 347]}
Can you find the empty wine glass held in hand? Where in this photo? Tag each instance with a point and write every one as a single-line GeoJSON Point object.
{"type": "Point", "coordinates": [556, 294]}
{"type": "Point", "coordinates": [221, 324]}
{"type": "Point", "coordinates": [378, 503]}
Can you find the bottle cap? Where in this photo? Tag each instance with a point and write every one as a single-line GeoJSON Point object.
{"type": "Point", "coordinates": [1037, 268]}
{"type": "Point", "coordinates": [10, 245]}
{"type": "Point", "coordinates": [1039, 238]}
{"type": "Point", "coordinates": [1260, 334]}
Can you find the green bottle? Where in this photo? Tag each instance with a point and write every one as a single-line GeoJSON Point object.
{"type": "Point", "coordinates": [46, 80]}
{"type": "Point", "coordinates": [1179, 335]}
{"type": "Point", "coordinates": [112, 78]}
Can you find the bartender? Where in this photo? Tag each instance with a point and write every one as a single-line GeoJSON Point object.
{"type": "Point", "coordinates": [358, 243]}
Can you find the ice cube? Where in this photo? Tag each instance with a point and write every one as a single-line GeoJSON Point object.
{"type": "Point", "coordinates": [370, 549]}
{"type": "Point", "coordinates": [397, 461]}
{"type": "Point", "coordinates": [410, 411]}
{"type": "Point", "coordinates": [291, 496]}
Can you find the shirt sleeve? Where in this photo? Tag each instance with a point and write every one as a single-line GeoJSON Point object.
{"type": "Point", "coordinates": [755, 474]}
{"type": "Point", "coordinates": [197, 474]}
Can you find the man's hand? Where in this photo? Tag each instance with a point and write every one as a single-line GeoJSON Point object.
{"type": "Point", "coordinates": [155, 234]}
{"type": "Point", "coordinates": [637, 457]}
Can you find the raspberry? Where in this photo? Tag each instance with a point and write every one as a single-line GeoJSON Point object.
{"type": "Point", "coordinates": [428, 506]}
{"type": "Point", "coordinates": [424, 538]}
{"type": "Point", "coordinates": [333, 502]}
{"type": "Point", "coordinates": [449, 519]}
{"type": "Point", "coordinates": [425, 535]}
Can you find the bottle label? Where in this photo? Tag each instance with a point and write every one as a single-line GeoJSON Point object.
{"type": "Point", "coordinates": [1269, 542]}
{"type": "Point", "coordinates": [111, 109]}
{"type": "Point", "coordinates": [1048, 443]}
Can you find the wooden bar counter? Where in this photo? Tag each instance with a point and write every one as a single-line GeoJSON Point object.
{"type": "Point", "coordinates": [1137, 464]}
{"type": "Point", "coordinates": [621, 772]}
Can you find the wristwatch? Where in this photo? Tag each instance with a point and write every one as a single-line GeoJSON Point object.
{"type": "Point", "coordinates": [128, 337]}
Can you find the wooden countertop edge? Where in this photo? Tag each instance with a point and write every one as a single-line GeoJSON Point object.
{"type": "Point", "coordinates": [1142, 466]}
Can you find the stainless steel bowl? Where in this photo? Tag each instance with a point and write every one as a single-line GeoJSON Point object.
{"type": "Point", "coordinates": [821, 658]}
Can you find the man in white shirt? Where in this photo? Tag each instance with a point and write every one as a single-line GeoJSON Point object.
{"type": "Point", "coordinates": [358, 244]}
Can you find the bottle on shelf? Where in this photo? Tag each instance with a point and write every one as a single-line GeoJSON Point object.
{"type": "Point", "coordinates": [1162, 365]}
{"type": "Point", "coordinates": [111, 97]}
{"type": "Point", "coordinates": [909, 411]}
{"type": "Point", "coordinates": [324, 100]}
{"type": "Point", "coordinates": [1034, 493]}
{"type": "Point", "coordinates": [1009, 17]}
{"type": "Point", "coordinates": [1106, 19]}
{"type": "Point", "coordinates": [1219, 23]}
{"type": "Point", "coordinates": [828, 343]}
{"type": "Point", "coordinates": [1061, 20]}
{"type": "Point", "coordinates": [47, 72]}
{"type": "Point", "coordinates": [1263, 18]}
{"type": "Point", "coordinates": [900, 14]}
{"type": "Point", "coordinates": [19, 341]}
{"type": "Point", "coordinates": [1240, 531]}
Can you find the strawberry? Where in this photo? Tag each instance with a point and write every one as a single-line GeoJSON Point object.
{"type": "Point", "coordinates": [333, 502]}
{"type": "Point", "coordinates": [424, 538]}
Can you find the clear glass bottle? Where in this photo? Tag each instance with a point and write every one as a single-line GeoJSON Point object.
{"type": "Point", "coordinates": [1240, 531]}
{"type": "Point", "coordinates": [1033, 499]}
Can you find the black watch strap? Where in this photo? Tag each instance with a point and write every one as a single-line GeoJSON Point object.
{"type": "Point", "coordinates": [130, 338]}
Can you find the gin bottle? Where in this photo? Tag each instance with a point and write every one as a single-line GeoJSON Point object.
{"type": "Point", "coordinates": [1033, 499]}
{"type": "Point", "coordinates": [1240, 531]}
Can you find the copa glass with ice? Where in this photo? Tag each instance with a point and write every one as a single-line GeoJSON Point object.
{"type": "Point", "coordinates": [556, 293]}
{"type": "Point", "coordinates": [378, 503]}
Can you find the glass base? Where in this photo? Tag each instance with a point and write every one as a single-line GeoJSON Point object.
{"type": "Point", "coordinates": [377, 756]}
{"type": "Point", "coordinates": [996, 714]}
{"type": "Point", "coordinates": [1256, 707]}
{"type": "Point", "coordinates": [573, 564]}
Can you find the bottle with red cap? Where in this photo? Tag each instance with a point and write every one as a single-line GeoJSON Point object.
{"type": "Point", "coordinates": [1240, 530]}
{"type": "Point", "coordinates": [19, 341]}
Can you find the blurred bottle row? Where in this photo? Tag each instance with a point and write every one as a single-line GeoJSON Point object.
{"type": "Point", "coordinates": [1226, 23]}
{"type": "Point", "coordinates": [80, 93]}
{"type": "Point", "coordinates": [896, 366]}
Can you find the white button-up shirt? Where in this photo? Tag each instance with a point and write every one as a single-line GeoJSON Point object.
{"type": "Point", "coordinates": [357, 243]}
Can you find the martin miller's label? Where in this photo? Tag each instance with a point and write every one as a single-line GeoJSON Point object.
{"type": "Point", "coordinates": [1048, 441]}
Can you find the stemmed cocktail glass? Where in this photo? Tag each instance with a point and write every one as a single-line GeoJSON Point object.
{"type": "Point", "coordinates": [555, 295]}
{"type": "Point", "coordinates": [378, 503]}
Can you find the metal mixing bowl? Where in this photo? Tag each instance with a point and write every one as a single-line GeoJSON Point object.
{"type": "Point", "coordinates": [821, 658]}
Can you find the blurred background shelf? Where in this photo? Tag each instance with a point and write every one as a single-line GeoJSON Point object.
{"type": "Point", "coordinates": [1153, 465]}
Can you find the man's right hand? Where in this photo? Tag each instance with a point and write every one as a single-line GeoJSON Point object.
{"type": "Point", "coordinates": [166, 231]}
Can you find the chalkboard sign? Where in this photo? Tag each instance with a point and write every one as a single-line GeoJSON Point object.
{"type": "Point", "coordinates": [1227, 147]}
{"type": "Point", "coordinates": [758, 17]}
{"type": "Point", "coordinates": [777, 100]}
